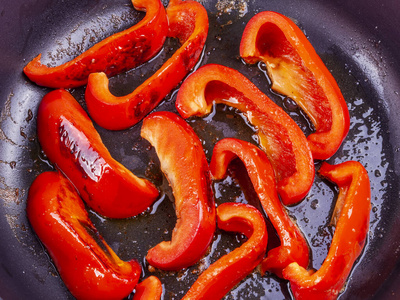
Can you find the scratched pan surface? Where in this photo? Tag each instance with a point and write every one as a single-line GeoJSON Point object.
{"type": "Point", "coordinates": [358, 41]}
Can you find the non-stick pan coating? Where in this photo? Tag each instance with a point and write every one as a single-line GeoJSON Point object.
{"type": "Point", "coordinates": [358, 41]}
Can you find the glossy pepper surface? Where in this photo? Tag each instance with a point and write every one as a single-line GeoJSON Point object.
{"type": "Point", "coordinates": [298, 72]}
{"type": "Point", "coordinates": [293, 246]}
{"type": "Point", "coordinates": [188, 21]}
{"type": "Point", "coordinates": [229, 270]}
{"type": "Point", "coordinates": [280, 137]}
{"type": "Point", "coordinates": [184, 164]}
{"type": "Point", "coordinates": [70, 141]}
{"type": "Point", "coordinates": [120, 52]}
{"type": "Point", "coordinates": [88, 266]}
{"type": "Point", "coordinates": [351, 220]}
{"type": "Point", "coordinates": [148, 289]}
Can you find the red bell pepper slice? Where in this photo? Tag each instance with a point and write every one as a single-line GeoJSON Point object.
{"type": "Point", "coordinates": [70, 141]}
{"type": "Point", "coordinates": [118, 53]}
{"type": "Point", "coordinates": [88, 266]}
{"type": "Point", "coordinates": [293, 246]}
{"type": "Point", "coordinates": [184, 163]}
{"type": "Point", "coordinates": [351, 219]}
{"type": "Point", "coordinates": [280, 137]}
{"type": "Point", "coordinates": [298, 72]}
{"type": "Point", "coordinates": [148, 289]}
{"type": "Point", "coordinates": [230, 269]}
{"type": "Point", "coordinates": [188, 21]}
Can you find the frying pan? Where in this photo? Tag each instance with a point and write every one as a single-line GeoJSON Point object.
{"type": "Point", "coordinates": [358, 41]}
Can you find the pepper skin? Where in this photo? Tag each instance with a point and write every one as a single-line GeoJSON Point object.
{"type": "Point", "coordinates": [70, 141]}
{"type": "Point", "coordinates": [184, 163]}
{"type": "Point", "coordinates": [188, 21]}
{"type": "Point", "coordinates": [293, 246]}
{"type": "Point", "coordinates": [298, 72]}
{"type": "Point", "coordinates": [118, 53]}
{"type": "Point", "coordinates": [87, 265]}
{"type": "Point", "coordinates": [229, 270]}
{"type": "Point", "coordinates": [148, 289]}
{"type": "Point", "coordinates": [351, 218]}
{"type": "Point", "coordinates": [280, 137]}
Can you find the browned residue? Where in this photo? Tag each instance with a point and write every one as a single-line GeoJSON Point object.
{"type": "Point", "coordinates": [4, 115]}
{"type": "Point", "coordinates": [10, 196]}
{"type": "Point", "coordinates": [227, 6]}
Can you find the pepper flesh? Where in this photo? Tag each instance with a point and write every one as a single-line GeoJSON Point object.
{"type": "Point", "coordinates": [298, 72]}
{"type": "Point", "coordinates": [351, 218]}
{"type": "Point", "coordinates": [70, 141]}
{"type": "Point", "coordinates": [118, 53]}
{"type": "Point", "coordinates": [184, 163]}
{"type": "Point", "coordinates": [293, 246]}
{"type": "Point", "coordinates": [229, 270]}
{"type": "Point", "coordinates": [148, 289]}
{"type": "Point", "coordinates": [280, 137]}
{"type": "Point", "coordinates": [188, 21]}
{"type": "Point", "coordinates": [88, 266]}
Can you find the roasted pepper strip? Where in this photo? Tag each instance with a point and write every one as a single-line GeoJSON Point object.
{"type": "Point", "coordinates": [280, 137]}
{"type": "Point", "coordinates": [293, 246]}
{"type": "Point", "coordinates": [229, 270]}
{"type": "Point", "coordinates": [148, 289]}
{"type": "Point", "coordinates": [351, 218]}
{"type": "Point", "coordinates": [188, 21]}
{"type": "Point", "coordinates": [298, 72]}
{"type": "Point", "coordinates": [184, 163]}
{"type": "Point", "coordinates": [120, 52]}
{"type": "Point", "coordinates": [87, 265]}
{"type": "Point", "coordinates": [70, 141]}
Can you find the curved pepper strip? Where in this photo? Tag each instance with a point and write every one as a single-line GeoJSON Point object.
{"type": "Point", "coordinates": [280, 137]}
{"type": "Point", "coordinates": [293, 246]}
{"type": "Point", "coordinates": [88, 266]}
{"type": "Point", "coordinates": [118, 53]}
{"type": "Point", "coordinates": [219, 278]}
{"type": "Point", "coordinates": [70, 141]}
{"type": "Point", "coordinates": [298, 72]}
{"type": "Point", "coordinates": [188, 21]}
{"type": "Point", "coordinates": [148, 289]}
{"type": "Point", "coordinates": [184, 163]}
{"type": "Point", "coordinates": [351, 218]}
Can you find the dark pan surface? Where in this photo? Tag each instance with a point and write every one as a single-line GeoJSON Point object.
{"type": "Point", "coordinates": [357, 40]}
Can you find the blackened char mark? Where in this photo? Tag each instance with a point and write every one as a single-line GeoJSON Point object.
{"type": "Point", "coordinates": [129, 55]}
{"type": "Point", "coordinates": [206, 185]}
{"type": "Point", "coordinates": [191, 53]}
{"type": "Point", "coordinates": [145, 103]}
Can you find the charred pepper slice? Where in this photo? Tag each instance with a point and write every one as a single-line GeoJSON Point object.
{"type": "Point", "coordinates": [280, 137]}
{"type": "Point", "coordinates": [188, 21]}
{"type": "Point", "coordinates": [293, 246]}
{"type": "Point", "coordinates": [70, 141]}
{"type": "Point", "coordinates": [229, 270]}
{"type": "Point", "coordinates": [298, 72]}
{"type": "Point", "coordinates": [351, 219]}
{"type": "Point", "coordinates": [184, 163]}
{"type": "Point", "coordinates": [87, 265]}
{"type": "Point", "coordinates": [120, 52]}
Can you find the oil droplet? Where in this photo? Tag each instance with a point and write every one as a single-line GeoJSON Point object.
{"type": "Point", "coordinates": [290, 104]}
{"type": "Point", "coordinates": [314, 204]}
